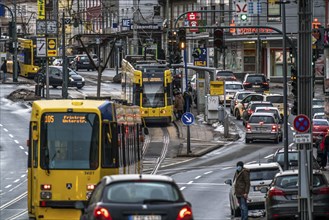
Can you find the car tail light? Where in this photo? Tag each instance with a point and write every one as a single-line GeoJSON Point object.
{"type": "Point", "coordinates": [248, 127]}
{"type": "Point", "coordinates": [265, 83]}
{"type": "Point", "coordinates": [234, 78]}
{"type": "Point", "coordinates": [246, 84]}
{"type": "Point", "coordinates": [185, 213]}
{"type": "Point", "coordinates": [274, 128]}
{"type": "Point", "coordinates": [322, 191]}
{"type": "Point", "coordinates": [101, 213]}
{"type": "Point", "coordinates": [250, 111]}
{"type": "Point", "coordinates": [275, 192]}
{"type": "Point", "coordinates": [90, 187]}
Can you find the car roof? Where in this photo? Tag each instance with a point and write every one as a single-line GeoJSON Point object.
{"type": "Point", "coordinates": [319, 113]}
{"type": "Point", "coordinates": [263, 114]}
{"type": "Point", "coordinates": [292, 148]}
{"type": "Point", "coordinates": [320, 119]}
{"type": "Point", "coordinates": [261, 165]}
{"type": "Point", "coordinates": [266, 107]}
{"type": "Point", "coordinates": [233, 82]}
{"type": "Point", "coordinates": [295, 171]}
{"type": "Point", "coordinates": [134, 177]}
{"type": "Point", "coordinates": [259, 102]}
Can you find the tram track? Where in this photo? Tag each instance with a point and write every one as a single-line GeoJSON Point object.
{"type": "Point", "coordinates": [155, 149]}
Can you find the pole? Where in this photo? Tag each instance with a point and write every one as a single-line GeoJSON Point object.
{"type": "Point", "coordinates": [15, 75]}
{"type": "Point", "coordinates": [188, 141]}
{"type": "Point", "coordinates": [65, 76]}
{"type": "Point", "coordinates": [135, 36]}
{"type": "Point", "coordinates": [285, 93]}
{"type": "Point", "coordinates": [258, 60]}
{"type": "Point", "coordinates": [304, 98]}
{"type": "Point", "coordinates": [99, 69]}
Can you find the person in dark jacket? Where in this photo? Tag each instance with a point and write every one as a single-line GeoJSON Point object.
{"type": "Point", "coordinates": [241, 182]}
{"type": "Point", "coordinates": [4, 69]}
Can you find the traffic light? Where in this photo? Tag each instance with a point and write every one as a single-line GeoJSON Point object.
{"type": "Point", "coordinates": [173, 50]}
{"type": "Point", "coordinates": [243, 17]}
{"type": "Point", "coordinates": [219, 38]}
{"type": "Point", "coordinates": [182, 38]}
{"type": "Point", "coordinates": [11, 27]}
{"type": "Point", "coordinates": [294, 90]}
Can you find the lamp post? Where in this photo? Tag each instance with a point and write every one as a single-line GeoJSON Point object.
{"type": "Point", "coordinates": [15, 72]}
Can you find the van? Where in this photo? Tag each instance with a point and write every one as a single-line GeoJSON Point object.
{"type": "Point", "coordinates": [277, 101]}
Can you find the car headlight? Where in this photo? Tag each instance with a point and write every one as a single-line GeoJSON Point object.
{"type": "Point", "coordinates": [71, 80]}
{"type": "Point", "coordinates": [82, 79]}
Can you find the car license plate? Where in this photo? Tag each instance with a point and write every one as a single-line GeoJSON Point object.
{"type": "Point", "coordinates": [256, 86]}
{"type": "Point", "coordinates": [260, 129]}
{"type": "Point", "coordinates": [145, 217]}
{"type": "Point", "coordinates": [294, 197]}
{"type": "Point", "coordinates": [85, 62]}
{"type": "Point", "coordinates": [257, 188]}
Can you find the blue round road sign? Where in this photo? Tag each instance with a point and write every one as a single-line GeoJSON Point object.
{"type": "Point", "coordinates": [302, 123]}
{"type": "Point", "coordinates": [187, 118]}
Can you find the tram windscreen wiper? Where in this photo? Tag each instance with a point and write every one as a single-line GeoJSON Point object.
{"type": "Point", "coordinates": [47, 160]}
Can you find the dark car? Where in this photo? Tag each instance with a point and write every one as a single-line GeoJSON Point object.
{"type": "Point", "coordinates": [251, 108]}
{"type": "Point", "coordinates": [256, 82]}
{"type": "Point", "coordinates": [225, 75]}
{"type": "Point", "coordinates": [281, 200]}
{"type": "Point", "coordinates": [278, 157]}
{"type": "Point", "coordinates": [56, 77]}
{"type": "Point", "coordinates": [134, 196]}
{"type": "Point", "coordinates": [82, 62]}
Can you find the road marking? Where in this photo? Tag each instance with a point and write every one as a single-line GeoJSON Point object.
{"type": "Point", "coordinates": [197, 177]}
{"type": "Point", "coordinates": [16, 180]}
{"type": "Point", "coordinates": [26, 153]}
{"type": "Point", "coordinates": [226, 168]}
{"type": "Point", "coordinates": [5, 130]}
{"type": "Point", "coordinates": [268, 156]}
{"type": "Point", "coordinates": [16, 141]}
{"type": "Point", "coordinates": [10, 135]}
{"type": "Point", "coordinates": [181, 189]}
{"type": "Point", "coordinates": [251, 162]}
{"type": "Point", "coordinates": [21, 147]}
{"type": "Point", "coordinates": [8, 186]}
{"type": "Point", "coordinates": [207, 172]}
{"type": "Point", "coordinates": [190, 182]}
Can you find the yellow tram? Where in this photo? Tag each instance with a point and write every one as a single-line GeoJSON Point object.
{"type": "Point", "coordinates": [72, 145]}
{"type": "Point", "coordinates": [148, 84]}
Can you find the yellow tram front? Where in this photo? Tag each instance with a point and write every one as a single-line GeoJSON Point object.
{"type": "Point", "coordinates": [73, 144]}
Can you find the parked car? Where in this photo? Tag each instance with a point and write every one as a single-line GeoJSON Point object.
{"type": "Point", "coordinates": [319, 127]}
{"type": "Point", "coordinates": [231, 87]}
{"type": "Point", "coordinates": [256, 82]}
{"type": "Point", "coordinates": [56, 77]}
{"type": "Point", "coordinates": [135, 196]}
{"type": "Point", "coordinates": [82, 62]}
{"type": "Point", "coordinates": [281, 200]}
{"type": "Point", "coordinates": [293, 152]}
{"type": "Point", "coordinates": [261, 175]}
{"type": "Point", "coordinates": [250, 109]}
{"type": "Point", "coordinates": [70, 62]}
{"type": "Point", "coordinates": [225, 75]}
{"type": "Point", "coordinates": [238, 96]}
{"type": "Point", "coordinates": [263, 126]}
{"type": "Point", "coordinates": [241, 106]}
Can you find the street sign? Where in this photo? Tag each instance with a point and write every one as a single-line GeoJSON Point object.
{"type": "Point", "coordinates": [187, 118]}
{"type": "Point", "coordinates": [303, 138]}
{"type": "Point", "coordinates": [302, 123]}
{"type": "Point", "coordinates": [126, 23]}
{"type": "Point", "coordinates": [41, 47]}
{"type": "Point", "coordinates": [67, 20]}
{"type": "Point", "coordinates": [52, 47]}
{"type": "Point", "coordinates": [202, 59]}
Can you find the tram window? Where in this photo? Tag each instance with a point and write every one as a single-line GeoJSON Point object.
{"type": "Point", "coordinates": [63, 146]}
{"type": "Point", "coordinates": [109, 139]}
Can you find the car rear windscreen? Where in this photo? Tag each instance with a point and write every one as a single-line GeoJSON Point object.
{"type": "Point", "coordinates": [275, 99]}
{"type": "Point", "coordinates": [263, 174]}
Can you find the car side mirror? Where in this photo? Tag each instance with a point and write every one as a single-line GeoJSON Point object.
{"type": "Point", "coordinates": [228, 182]}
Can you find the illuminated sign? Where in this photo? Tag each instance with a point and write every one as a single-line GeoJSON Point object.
{"type": "Point", "coordinates": [67, 119]}
{"type": "Point", "coordinates": [41, 9]}
{"type": "Point", "coordinates": [253, 30]}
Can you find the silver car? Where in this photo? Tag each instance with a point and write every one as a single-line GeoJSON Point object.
{"type": "Point", "coordinates": [263, 126]}
{"type": "Point", "coordinates": [261, 175]}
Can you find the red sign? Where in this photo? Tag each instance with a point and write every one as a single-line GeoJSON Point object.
{"type": "Point", "coordinates": [302, 123]}
{"type": "Point", "coordinates": [193, 26]}
{"type": "Point", "coordinates": [192, 16]}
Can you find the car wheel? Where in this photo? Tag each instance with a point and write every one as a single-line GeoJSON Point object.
{"type": "Point", "coordinates": [237, 114]}
{"type": "Point", "coordinates": [54, 86]}
{"type": "Point", "coordinates": [247, 141]}
{"type": "Point", "coordinates": [76, 69]}
{"type": "Point", "coordinates": [79, 87]}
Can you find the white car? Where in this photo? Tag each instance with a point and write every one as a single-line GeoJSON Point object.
{"type": "Point", "coordinates": [57, 62]}
{"type": "Point", "coordinates": [320, 115]}
{"type": "Point", "coordinates": [231, 87]}
{"type": "Point", "coordinates": [261, 175]}
{"type": "Point", "coordinates": [238, 96]}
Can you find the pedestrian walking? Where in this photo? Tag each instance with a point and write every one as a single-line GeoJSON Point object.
{"type": "Point", "coordinates": [4, 70]}
{"type": "Point", "coordinates": [179, 105]}
{"type": "Point", "coordinates": [321, 154]}
{"type": "Point", "coordinates": [326, 149]}
{"type": "Point", "coordinates": [241, 182]}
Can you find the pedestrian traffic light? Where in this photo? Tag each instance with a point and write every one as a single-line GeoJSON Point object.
{"type": "Point", "coordinates": [182, 38]}
{"type": "Point", "coordinates": [219, 38]}
{"type": "Point", "coordinates": [294, 109]}
{"type": "Point", "coordinates": [172, 47]}
{"type": "Point", "coordinates": [196, 53]}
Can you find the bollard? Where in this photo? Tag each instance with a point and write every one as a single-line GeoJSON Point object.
{"type": "Point", "coordinates": [221, 114]}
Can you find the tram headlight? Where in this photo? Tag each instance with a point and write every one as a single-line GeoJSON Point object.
{"type": "Point", "coordinates": [45, 187]}
{"type": "Point", "coordinates": [163, 111]}
{"type": "Point", "coordinates": [45, 195]}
